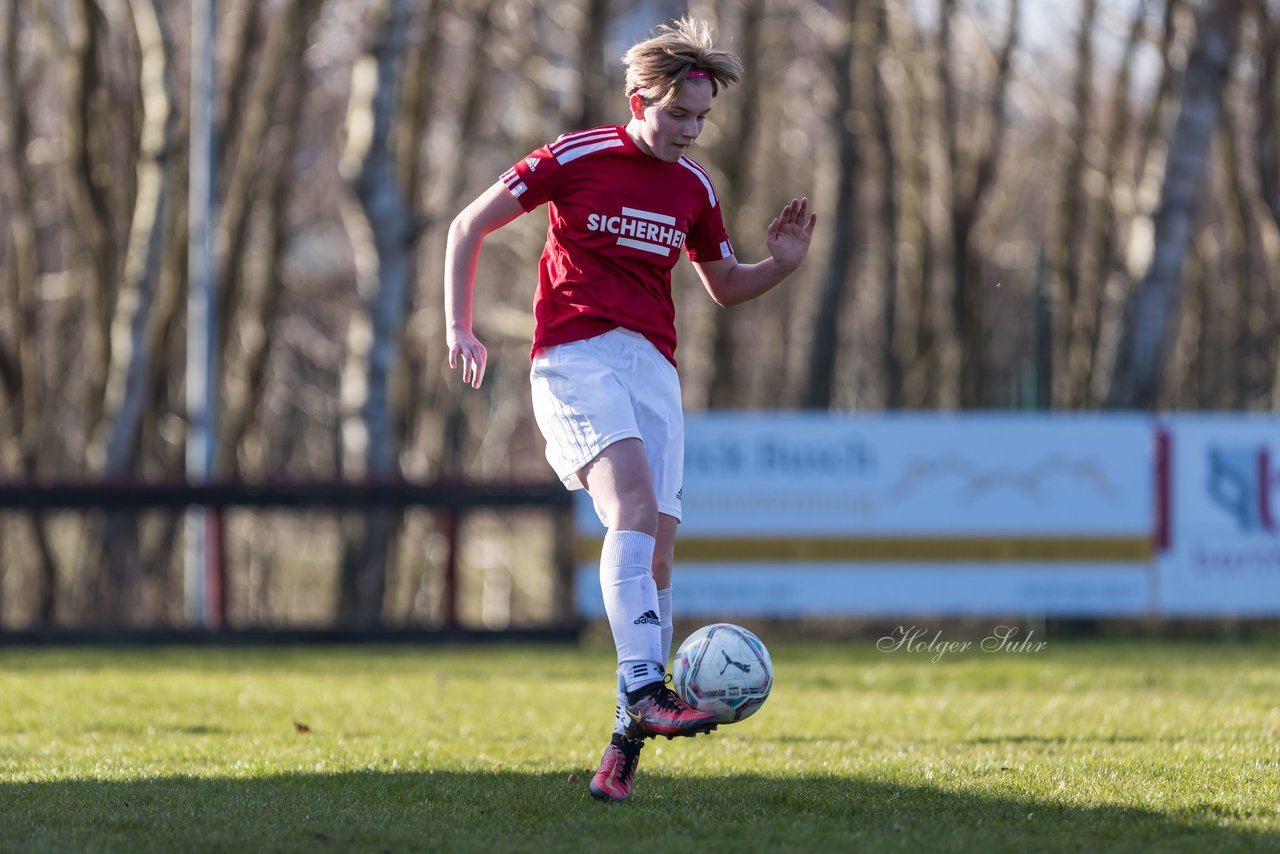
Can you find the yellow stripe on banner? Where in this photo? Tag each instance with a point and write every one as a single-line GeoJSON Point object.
{"type": "Point", "coordinates": [897, 549]}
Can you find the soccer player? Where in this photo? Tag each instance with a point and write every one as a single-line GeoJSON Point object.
{"type": "Point", "coordinates": [624, 201]}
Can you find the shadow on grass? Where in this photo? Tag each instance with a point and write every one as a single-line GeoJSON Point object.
{"type": "Point", "coordinates": [526, 811]}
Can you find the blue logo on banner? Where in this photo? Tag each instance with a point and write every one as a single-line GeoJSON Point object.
{"type": "Point", "coordinates": [1241, 483]}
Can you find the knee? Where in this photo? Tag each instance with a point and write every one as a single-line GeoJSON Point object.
{"type": "Point", "coordinates": [661, 571]}
{"type": "Point", "coordinates": [637, 510]}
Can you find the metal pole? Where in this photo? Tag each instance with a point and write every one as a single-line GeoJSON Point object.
{"type": "Point", "coordinates": [201, 306]}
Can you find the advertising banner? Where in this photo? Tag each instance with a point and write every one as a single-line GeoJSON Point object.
{"type": "Point", "coordinates": [792, 514]}
{"type": "Point", "coordinates": [1220, 550]}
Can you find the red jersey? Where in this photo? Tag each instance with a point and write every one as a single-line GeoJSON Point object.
{"type": "Point", "coordinates": [619, 218]}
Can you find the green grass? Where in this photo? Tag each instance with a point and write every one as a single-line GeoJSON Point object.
{"type": "Point", "coordinates": [1116, 745]}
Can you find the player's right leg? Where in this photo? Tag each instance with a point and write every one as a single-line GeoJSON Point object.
{"type": "Point", "coordinates": [663, 555]}
{"type": "Point", "coordinates": [588, 418]}
{"type": "Point", "coordinates": [619, 483]}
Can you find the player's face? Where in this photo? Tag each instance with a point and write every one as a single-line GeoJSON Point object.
{"type": "Point", "coordinates": [670, 131]}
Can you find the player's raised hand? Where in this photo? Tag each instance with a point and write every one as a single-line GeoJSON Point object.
{"type": "Point", "coordinates": [464, 347]}
{"type": "Point", "coordinates": [791, 232]}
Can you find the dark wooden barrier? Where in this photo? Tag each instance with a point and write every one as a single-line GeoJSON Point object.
{"type": "Point", "coordinates": [449, 499]}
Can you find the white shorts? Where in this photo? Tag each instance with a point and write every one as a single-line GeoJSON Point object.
{"type": "Point", "coordinates": [589, 394]}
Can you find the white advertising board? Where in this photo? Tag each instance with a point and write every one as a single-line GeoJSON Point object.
{"type": "Point", "coordinates": [1222, 554]}
{"type": "Point", "coordinates": [791, 514]}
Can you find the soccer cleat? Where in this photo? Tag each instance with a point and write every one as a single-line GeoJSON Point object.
{"type": "Point", "coordinates": [617, 767]}
{"type": "Point", "coordinates": [662, 712]}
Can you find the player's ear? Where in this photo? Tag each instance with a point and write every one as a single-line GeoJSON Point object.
{"type": "Point", "coordinates": [637, 107]}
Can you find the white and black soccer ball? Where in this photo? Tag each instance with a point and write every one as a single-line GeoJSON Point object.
{"type": "Point", "coordinates": [723, 669]}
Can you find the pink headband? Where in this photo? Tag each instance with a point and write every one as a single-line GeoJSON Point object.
{"type": "Point", "coordinates": [693, 75]}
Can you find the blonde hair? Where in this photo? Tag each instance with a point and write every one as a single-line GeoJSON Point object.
{"type": "Point", "coordinates": [657, 67]}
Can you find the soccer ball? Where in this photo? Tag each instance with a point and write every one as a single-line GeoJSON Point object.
{"type": "Point", "coordinates": [723, 669]}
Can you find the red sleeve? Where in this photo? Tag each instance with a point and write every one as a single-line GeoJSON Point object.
{"type": "Point", "coordinates": [533, 180]}
{"type": "Point", "coordinates": [708, 240]}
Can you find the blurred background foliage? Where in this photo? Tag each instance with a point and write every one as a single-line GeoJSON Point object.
{"type": "Point", "coordinates": [1023, 204]}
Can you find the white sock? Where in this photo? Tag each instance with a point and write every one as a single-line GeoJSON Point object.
{"type": "Point", "coordinates": [620, 719]}
{"type": "Point", "coordinates": [631, 602]}
{"type": "Point", "coordinates": [668, 628]}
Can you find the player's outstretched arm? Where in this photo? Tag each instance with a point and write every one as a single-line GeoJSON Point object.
{"type": "Point", "coordinates": [731, 283]}
{"type": "Point", "coordinates": [491, 210]}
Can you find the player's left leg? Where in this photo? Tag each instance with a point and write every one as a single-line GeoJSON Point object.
{"type": "Point", "coordinates": [661, 711]}
{"type": "Point", "coordinates": [619, 482]}
{"type": "Point", "coordinates": [617, 769]}
{"type": "Point", "coordinates": [663, 558]}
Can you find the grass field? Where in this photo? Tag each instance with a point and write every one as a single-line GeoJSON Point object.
{"type": "Point", "coordinates": [1120, 745]}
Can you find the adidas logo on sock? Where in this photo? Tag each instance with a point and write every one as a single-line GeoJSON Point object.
{"type": "Point", "coordinates": [648, 617]}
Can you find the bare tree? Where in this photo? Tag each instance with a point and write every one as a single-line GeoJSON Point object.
{"type": "Point", "coordinates": [820, 375]}
{"type": "Point", "coordinates": [262, 178]}
{"type": "Point", "coordinates": [1267, 147]}
{"type": "Point", "coordinates": [85, 141]}
{"type": "Point", "coordinates": [1166, 87]}
{"type": "Point", "coordinates": [592, 36]}
{"type": "Point", "coordinates": [1149, 318]}
{"type": "Point", "coordinates": [1251, 325]}
{"type": "Point", "coordinates": [129, 369]}
{"type": "Point", "coordinates": [971, 168]}
{"type": "Point", "coordinates": [1097, 320]}
{"type": "Point", "coordinates": [441, 417]}
{"type": "Point", "coordinates": [281, 57]}
{"type": "Point", "coordinates": [1072, 292]}
{"type": "Point", "coordinates": [887, 137]}
{"type": "Point", "coordinates": [733, 157]}
{"type": "Point", "coordinates": [921, 343]}
{"type": "Point", "coordinates": [20, 356]}
{"type": "Point", "coordinates": [381, 228]}
{"type": "Point", "coordinates": [1267, 140]}
{"type": "Point", "coordinates": [243, 40]}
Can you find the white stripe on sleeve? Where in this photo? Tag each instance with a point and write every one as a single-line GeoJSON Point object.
{"type": "Point", "coordinates": [575, 152]}
{"type": "Point", "coordinates": [701, 176]}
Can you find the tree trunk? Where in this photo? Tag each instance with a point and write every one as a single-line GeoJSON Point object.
{"type": "Point", "coordinates": [381, 229]}
{"type": "Point", "coordinates": [439, 400]}
{"type": "Point", "coordinates": [244, 23]}
{"type": "Point", "coordinates": [1153, 311]}
{"type": "Point", "coordinates": [1267, 157]}
{"type": "Point", "coordinates": [594, 76]}
{"type": "Point", "coordinates": [821, 363]}
{"type": "Point", "coordinates": [740, 132]}
{"type": "Point", "coordinates": [882, 101]}
{"type": "Point", "coordinates": [272, 128]}
{"type": "Point", "coordinates": [1073, 292]}
{"type": "Point", "coordinates": [19, 358]}
{"type": "Point", "coordinates": [127, 391]}
{"type": "Point", "coordinates": [1253, 324]}
{"type": "Point", "coordinates": [84, 137]}
{"type": "Point", "coordinates": [129, 369]}
{"type": "Point", "coordinates": [922, 356]}
{"type": "Point", "coordinates": [281, 57]}
{"type": "Point", "coordinates": [1165, 89]}
{"type": "Point", "coordinates": [972, 168]}
{"type": "Point", "coordinates": [1102, 319]}
{"type": "Point", "coordinates": [1267, 138]}
{"type": "Point", "coordinates": [421, 88]}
